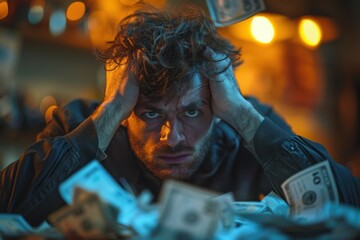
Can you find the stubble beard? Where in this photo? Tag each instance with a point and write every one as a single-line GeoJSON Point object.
{"type": "Point", "coordinates": [171, 171]}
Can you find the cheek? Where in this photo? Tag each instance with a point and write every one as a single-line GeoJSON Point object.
{"type": "Point", "coordinates": [142, 131]}
{"type": "Point", "coordinates": [136, 127]}
{"type": "Point", "coordinates": [197, 129]}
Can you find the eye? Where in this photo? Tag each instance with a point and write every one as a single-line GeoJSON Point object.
{"type": "Point", "coordinates": [151, 115]}
{"type": "Point", "coordinates": [192, 113]}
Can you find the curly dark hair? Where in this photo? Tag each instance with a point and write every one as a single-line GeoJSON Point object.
{"type": "Point", "coordinates": [163, 49]}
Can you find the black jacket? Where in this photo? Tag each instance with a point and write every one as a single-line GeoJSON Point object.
{"type": "Point", "coordinates": [29, 186]}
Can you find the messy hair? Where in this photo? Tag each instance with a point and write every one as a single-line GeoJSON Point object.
{"type": "Point", "coordinates": [163, 49]}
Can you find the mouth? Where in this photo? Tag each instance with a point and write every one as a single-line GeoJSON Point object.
{"type": "Point", "coordinates": [175, 158]}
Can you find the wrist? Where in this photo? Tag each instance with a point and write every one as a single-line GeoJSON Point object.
{"type": "Point", "coordinates": [247, 121]}
{"type": "Point", "coordinates": [107, 118]}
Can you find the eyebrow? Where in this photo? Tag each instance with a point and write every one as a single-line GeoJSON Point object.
{"type": "Point", "coordinates": [192, 105]}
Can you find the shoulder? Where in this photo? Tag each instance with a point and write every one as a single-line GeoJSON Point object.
{"type": "Point", "coordinates": [67, 117]}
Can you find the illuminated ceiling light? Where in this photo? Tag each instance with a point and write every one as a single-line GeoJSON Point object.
{"type": "Point", "coordinates": [57, 23]}
{"type": "Point", "coordinates": [75, 11]}
{"type": "Point", "coordinates": [36, 14]}
{"type": "Point", "coordinates": [284, 28]}
{"type": "Point", "coordinates": [262, 29]}
{"type": "Point", "coordinates": [4, 10]}
{"type": "Point", "coordinates": [310, 32]}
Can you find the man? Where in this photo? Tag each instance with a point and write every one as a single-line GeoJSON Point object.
{"type": "Point", "coordinates": [172, 109]}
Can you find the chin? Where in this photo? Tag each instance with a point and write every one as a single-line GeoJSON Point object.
{"type": "Point", "coordinates": [171, 174]}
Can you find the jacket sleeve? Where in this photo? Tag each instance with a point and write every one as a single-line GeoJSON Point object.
{"type": "Point", "coordinates": [29, 186]}
{"type": "Point", "coordinates": [281, 153]}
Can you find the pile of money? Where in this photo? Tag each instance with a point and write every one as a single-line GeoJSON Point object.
{"type": "Point", "coordinates": [99, 208]}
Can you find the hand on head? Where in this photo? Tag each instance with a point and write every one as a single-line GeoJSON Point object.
{"type": "Point", "coordinates": [121, 95]}
{"type": "Point", "coordinates": [225, 92]}
{"type": "Point", "coordinates": [122, 88]}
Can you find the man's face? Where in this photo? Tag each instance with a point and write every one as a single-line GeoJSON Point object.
{"type": "Point", "coordinates": [172, 138]}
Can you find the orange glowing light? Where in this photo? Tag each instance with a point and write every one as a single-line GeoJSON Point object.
{"type": "Point", "coordinates": [310, 32]}
{"type": "Point", "coordinates": [75, 11]}
{"type": "Point", "coordinates": [262, 29]}
{"type": "Point", "coordinates": [4, 10]}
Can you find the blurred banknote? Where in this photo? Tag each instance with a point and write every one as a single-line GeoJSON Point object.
{"type": "Point", "coordinates": [227, 12]}
{"type": "Point", "coordinates": [309, 190]}
{"type": "Point", "coordinates": [94, 178]}
{"type": "Point", "coordinates": [337, 222]}
{"type": "Point", "coordinates": [288, 226]}
{"type": "Point", "coordinates": [187, 212]}
{"type": "Point", "coordinates": [14, 225]}
{"type": "Point", "coordinates": [276, 204]}
{"type": "Point", "coordinates": [87, 218]}
{"type": "Point", "coordinates": [250, 207]}
{"type": "Point", "coordinates": [226, 211]}
{"type": "Point", "coordinates": [347, 213]}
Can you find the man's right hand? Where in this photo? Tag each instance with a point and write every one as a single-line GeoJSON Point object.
{"type": "Point", "coordinates": [121, 90]}
{"type": "Point", "coordinates": [121, 95]}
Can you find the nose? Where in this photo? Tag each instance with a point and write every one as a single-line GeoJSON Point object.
{"type": "Point", "coordinates": [172, 133]}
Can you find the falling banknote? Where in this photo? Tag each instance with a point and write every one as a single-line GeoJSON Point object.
{"type": "Point", "coordinates": [187, 212]}
{"type": "Point", "coordinates": [308, 191]}
{"type": "Point", "coordinates": [227, 12]}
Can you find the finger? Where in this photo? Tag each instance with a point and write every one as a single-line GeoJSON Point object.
{"type": "Point", "coordinates": [220, 62]}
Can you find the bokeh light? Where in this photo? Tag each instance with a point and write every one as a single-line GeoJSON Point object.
{"type": "Point", "coordinates": [36, 14]}
{"type": "Point", "coordinates": [75, 11]}
{"type": "Point", "coordinates": [4, 9]}
{"type": "Point", "coordinates": [262, 29]}
{"type": "Point", "coordinates": [57, 22]}
{"type": "Point", "coordinates": [310, 32]}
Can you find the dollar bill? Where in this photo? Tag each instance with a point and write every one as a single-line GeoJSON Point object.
{"type": "Point", "coordinates": [88, 218]}
{"type": "Point", "coordinates": [347, 213]}
{"type": "Point", "coordinates": [277, 205]}
{"type": "Point", "coordinates": [308, 190]}
{"type": "Point", "coordinates": [146, 219]}
{"type": "Point", "coordinates": [250, 207]}
{"type": "Point", "coordinates": [289, 226]}
{"type": "Point", "coordinates": [94, 178]}
{"type": "Point", "coordinates": [227, 12]}
{"type": "Point", "coordinates": [187, 212]}
{"type": "Point", "coordinates": [12, 225]}
{"type": "Point", "coordinates": [338, 222]}
{"type": "Point", "coordinates": [226, 211]}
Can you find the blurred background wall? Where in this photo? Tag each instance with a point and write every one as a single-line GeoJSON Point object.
{"type": "Point", "coordinates": [310, 76]}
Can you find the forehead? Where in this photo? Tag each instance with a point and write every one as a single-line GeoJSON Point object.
{"type": "Point", "coordinates": [197, 90]}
